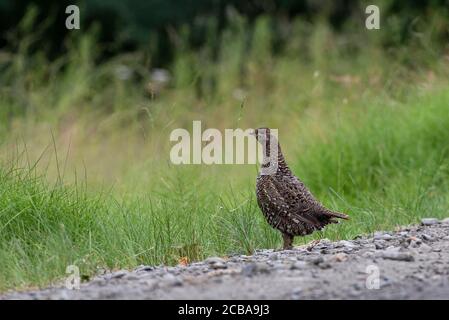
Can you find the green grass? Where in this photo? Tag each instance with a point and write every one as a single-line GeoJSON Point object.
{"type": "Point", "coordinates": [85, 176]}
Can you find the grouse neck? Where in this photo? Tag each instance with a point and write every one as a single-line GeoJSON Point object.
{"type": "Point", "coordinates": [281, 166]}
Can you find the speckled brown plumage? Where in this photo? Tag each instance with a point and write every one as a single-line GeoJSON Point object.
{"type": "Point", "coordinates": [284, 200]}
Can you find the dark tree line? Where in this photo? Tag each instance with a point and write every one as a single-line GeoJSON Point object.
{"type": "Point", "coordinates": [126, 25]}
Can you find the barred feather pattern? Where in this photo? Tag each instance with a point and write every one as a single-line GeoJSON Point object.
{"type": "Point", "coordinates": [286, 203]}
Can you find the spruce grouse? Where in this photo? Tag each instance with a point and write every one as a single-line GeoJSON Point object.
{"type": "Point", "coordinates": [284, 200]}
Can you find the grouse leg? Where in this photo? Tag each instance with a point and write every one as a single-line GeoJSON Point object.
{"type": "Point", "coordinates": [312, 244]}
{"type": "Point", "coordinates": [288, 241]}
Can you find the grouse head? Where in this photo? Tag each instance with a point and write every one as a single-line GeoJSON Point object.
{"type": "Point", "coordinates": [263, 135]}
{"type": "Point", "coordinates": [272, 154]}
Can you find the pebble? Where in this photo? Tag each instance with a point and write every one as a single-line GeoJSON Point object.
{"type": "Point", "coordinates": [347, 244]}
{"type": "Point", "coordinates": [116, 275]}
{"type": "Point", "coordinates": [382, 236]}
{"type": "Point", "coordinates": [396, 255]}
{"type": "Point", "coordinates": [415, 243]}
{"type": "Point", "coordinates": [316, 260]}
{"type": "Point", "coordinates": [296, 292]}
{"type": "Point", "coordinates": [429, 221]}
{"type": "Point", "coordinates": [340, 257]}
{"type": "Point", "coordinates": [324, 243]}
{"type": "Point", "coordinates": [378, 235]}
{"type": "Point", "coordinates": [368, 254]}
{"type": "Point", "coordinates": [425, 248]}
{"type": "Point", "coordinates": [216, 263]}
{"type": "Point", "coordinates": [171, 280]}
{"type": "Point", "coordinates": [299, 265]}
{"type": "Point", "coordinates": [253, 268]}
{"type": "Point", "coordinates": [214, 260]}
{"type": "Point", "coordinates": [325, 265]}
{"type": "Point", "coordinates": [131, 276]}
{"type": "Point", "coordinates": [143, 268]}
{"type": "Point", "coordinates": [426, 237]}
{"type": "Point", "coordinates": [274, 256]}
{"type": "Point", "coordinates": [380, 244]}
{"type": "Point", "coordinates": [151, 283]}
{"type": "Point", "coordinates": [219, 266]}
{"type": "Point", "coordinates": [278, 264]}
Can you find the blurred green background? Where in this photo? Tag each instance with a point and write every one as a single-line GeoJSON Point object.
{"type": "Point", "coordinates": [86, 115]}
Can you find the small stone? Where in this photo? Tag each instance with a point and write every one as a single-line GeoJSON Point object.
{"type": "Point", "coordinates": [235, 259]}
{"type": "Point", "coordinates": [214, 260]}
{"type": "Point", "coordinates": [415, 243]}
{"type": "Point", "coordinates": [297, 291]}
{"type": "Point", "coordinates": [368, 254]}
{"type": "Point", "coordinates": [219, 266]}
{"type": "Point", "coordinates": [325, 265]}
{"type": "Point", "coordinates": [386, 281]}
{"type": "Point", "coordinates": [380, 244]}
{"type": "Point", "coordinates": [323, 244]}
{"type": "Point", "coordinates": [262, 267]}
{"type": "Point", "coordinates": [216, 263]}
{"type": "Point", "coordinates": [357, 287]}
{"type": "Point", "coordinates": [217, 280]}
{"type": "Point", "coordinates": [177, 282]}
{"type": "Point", "coordinates": [316, 260]}
{"type": "Point", "coordinates": [426, 237]}
{"type": "Point", "coordinates": [274, 256]}
{"type": "Point", "coordinates": [298, 265]}
{"type": "Point", "coordinates": [429, 221]}
{"type": "Point", "coordinates": [340, 257]}
{"type": "Point", "coordinates": [151, 283]}
{"type": "Point", "coordinates": [172, 280]}
{"type": "Point", "coordinates": [131, 276]}
{"type": "Point", "coordinates": [346, 244]}
{"type": "Point", "coordinates": [278, 265]}
{"type": "Point", "coordinates": [143, 268]}
{"type": "Point", "coordinates": [172, 270]}
{"type": "Point", "coordinates": [251, 269]}
{"type": "Point", "coordinates": [116, 275]}
{"type": "Point", "coordinates": [425, 247]}
{"type": "Point", "coordinates": [398, 256]}
{"type": "Point", "coordinates": [378, 235]}
{"type": "Point", "coordinates": [382, 236]}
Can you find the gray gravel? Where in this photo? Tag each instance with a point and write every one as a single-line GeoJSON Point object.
{"type": "Point", "coordinates": [410, 263]}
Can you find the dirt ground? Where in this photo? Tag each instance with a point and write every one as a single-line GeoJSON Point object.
{"type": "Point", "coordinates": [410, 263]}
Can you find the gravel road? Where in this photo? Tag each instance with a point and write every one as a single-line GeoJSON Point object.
{"type": "Point", "coordinates": [410, 263]}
